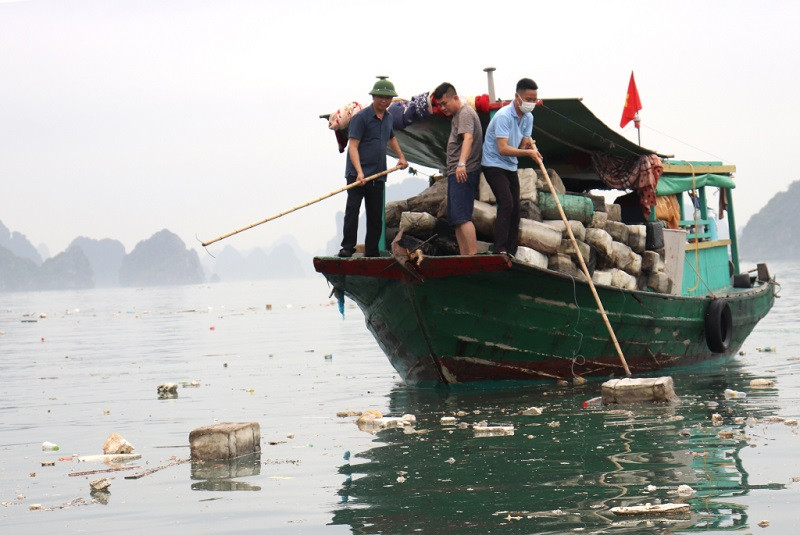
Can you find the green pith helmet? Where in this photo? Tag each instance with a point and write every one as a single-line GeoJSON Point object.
{"type": "Point", "coordinates": [383, 88]}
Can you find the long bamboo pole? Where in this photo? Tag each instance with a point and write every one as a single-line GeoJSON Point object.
{"type": "Point", "coordinates": [584, 268]}
{"type": "Point", "coordinates": [290, 210]}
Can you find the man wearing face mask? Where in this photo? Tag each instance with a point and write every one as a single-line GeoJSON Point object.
{"type": "Point", "coordinates": [507, 138]}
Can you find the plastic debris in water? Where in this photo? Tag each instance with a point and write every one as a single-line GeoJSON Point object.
{"type": "Point", "coordinates": [49, 446]}
{"type": "Point", "coordinates": [340, 300]}
{"type": "Point", "coordinates": [734, 394]}
{"type": "Point", "coordinates": [766, 349]}
{"type": "Point", "coordinates": [498, 430]}
{"type": "Point", "coordinates": [594, 402]}
{"type": "Point", "coordinates": [761, 383]}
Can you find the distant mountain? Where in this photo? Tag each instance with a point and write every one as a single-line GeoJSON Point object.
{"type": "Point", "coordinates": [105, 257]}
{"type": "Point", "coordinates": [43, 251]}
{"type": "Point", "coordinates": [16, 274]}
{"type": "Point", "coordinates": [768, 235]}
{"type": "Point", "coordinates": [19, 245]}
{"type": "Point", "coordinates": [69, 270]}
{"type": "Point", "coordinates": [283, 259]}
{"type": "Point", "coordinates": [161, 260]}
{"type": "Point", "coordinates": [407, 188]}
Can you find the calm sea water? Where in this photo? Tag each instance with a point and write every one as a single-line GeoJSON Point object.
{"type": "Point", "coordinates": [92, 365]}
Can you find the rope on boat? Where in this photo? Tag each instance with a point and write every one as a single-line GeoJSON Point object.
{"type": "Point", "coordinates": [576, 354]}
{"type": "Point", "coordinates": [696, 242]}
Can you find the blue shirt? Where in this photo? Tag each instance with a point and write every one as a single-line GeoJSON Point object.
{"type": "Point", "coordinates": [373, 135]}
{"type": "Point", "coordinates": [505, 123]}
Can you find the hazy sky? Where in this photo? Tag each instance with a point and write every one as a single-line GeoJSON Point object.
{"type": "Point", "coordinates": [120, 118]}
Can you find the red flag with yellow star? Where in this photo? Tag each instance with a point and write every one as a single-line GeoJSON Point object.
{"type": "Point", "coordinates": [632, 105]}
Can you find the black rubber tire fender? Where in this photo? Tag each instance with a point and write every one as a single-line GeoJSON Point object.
{"type": "Point", "coordinates": [719, 325]}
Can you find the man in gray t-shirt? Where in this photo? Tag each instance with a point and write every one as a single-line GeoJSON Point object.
{"type": "Point", "coordinates": [463, 165]}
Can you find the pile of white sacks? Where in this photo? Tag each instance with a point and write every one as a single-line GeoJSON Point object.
{"type": "Point", "coordinates": [615, 253]}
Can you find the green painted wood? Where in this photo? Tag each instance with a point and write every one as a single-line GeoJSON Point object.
{"type": "Point", "coordinates": [732, 232]}
{"type": "Point", "coordinates": [528, 323]}
{"type": "Point", "coordinates": [712, 269]}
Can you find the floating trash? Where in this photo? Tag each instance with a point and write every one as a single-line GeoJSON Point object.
{"type": "Point", "coordinates": [594, 402]}
{"type": "Point", "coordinates": [652, 509]}
{"type": "Point", "coordinates": [167, 390]}
{"type": "Point", "coordinates": [761, 383]}
{"type": "Point", "coordinates": [492, 431]}
{"type": "Point", "coordinates": [49, 446]}
{"type": "Point", "coordinates": [734, 394]}
{"type": "Point", "coordinates": [100, 485]}
{"type": "Point", "coordinates": [115, 443]}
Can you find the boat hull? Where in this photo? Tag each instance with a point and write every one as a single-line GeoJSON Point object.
{"type": "Point", "coordinates": [488, 318]}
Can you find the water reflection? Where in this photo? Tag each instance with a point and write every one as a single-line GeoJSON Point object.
{"type": "Point", "coordinates": [560, 471]}
{"type": "Point", "coordinates": [220, 475]}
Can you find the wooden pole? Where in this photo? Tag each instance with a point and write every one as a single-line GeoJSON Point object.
{"type": "Point", "coordinates": [290, 210]}
{"type": "Point", "coordinates": [584, 268]}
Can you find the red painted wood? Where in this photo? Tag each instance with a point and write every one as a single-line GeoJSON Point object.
{"type": "Point", "coordinates": [430, 268]}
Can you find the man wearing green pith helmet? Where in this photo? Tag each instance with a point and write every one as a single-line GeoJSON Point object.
{"type": "Point", "coordinates": [370, 132]}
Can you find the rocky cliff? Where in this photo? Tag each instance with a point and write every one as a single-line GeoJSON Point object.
{"type": "Point", "coordinates": [769, 234]}
{"type": "Point", "coordinates": [161, 260]}
{"type": "Point", "coordinates": [105, 256]}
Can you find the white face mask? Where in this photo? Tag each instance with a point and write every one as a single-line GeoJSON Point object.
{"type": "Point", "coordinates": [526, 107]}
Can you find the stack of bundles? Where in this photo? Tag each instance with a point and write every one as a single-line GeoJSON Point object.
{"type": "Point", "coordinates": [616, 254]}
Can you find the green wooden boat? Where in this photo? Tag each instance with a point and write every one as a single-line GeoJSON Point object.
{"type": "Point", "coordinates": [456, 319]}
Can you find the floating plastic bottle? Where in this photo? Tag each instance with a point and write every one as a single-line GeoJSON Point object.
{"type": "Point", "coordinates": [49, 446]}
{"type": "Point", "coordinates": [766, 349]}
{"type": "Point", "coordinates": [734, 394]}
{"type": "Point", "coordinates": [594, 402]}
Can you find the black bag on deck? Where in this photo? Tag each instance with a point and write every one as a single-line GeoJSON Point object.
{"type": "Point", "coordinates": [655, 235]}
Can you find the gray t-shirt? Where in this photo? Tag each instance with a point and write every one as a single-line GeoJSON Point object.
{"type": "Point", "coordinates": [465, 121]}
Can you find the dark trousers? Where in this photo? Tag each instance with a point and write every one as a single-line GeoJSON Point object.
{"type": "Point", "coordinates": [372, 195]}
{"type": "Point", "coordinates": [505, 186]}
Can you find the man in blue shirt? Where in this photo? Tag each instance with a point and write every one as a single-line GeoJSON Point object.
{"type": "Point", "coordinates": [370, 132]}
{"type": "Point", "coordinates": [507, 138]}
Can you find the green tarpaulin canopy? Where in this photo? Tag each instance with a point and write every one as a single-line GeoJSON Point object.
{"type": "Point", "coordinates": [566, 132]}
{"type": "Point", "coordinates": [670, 184]}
